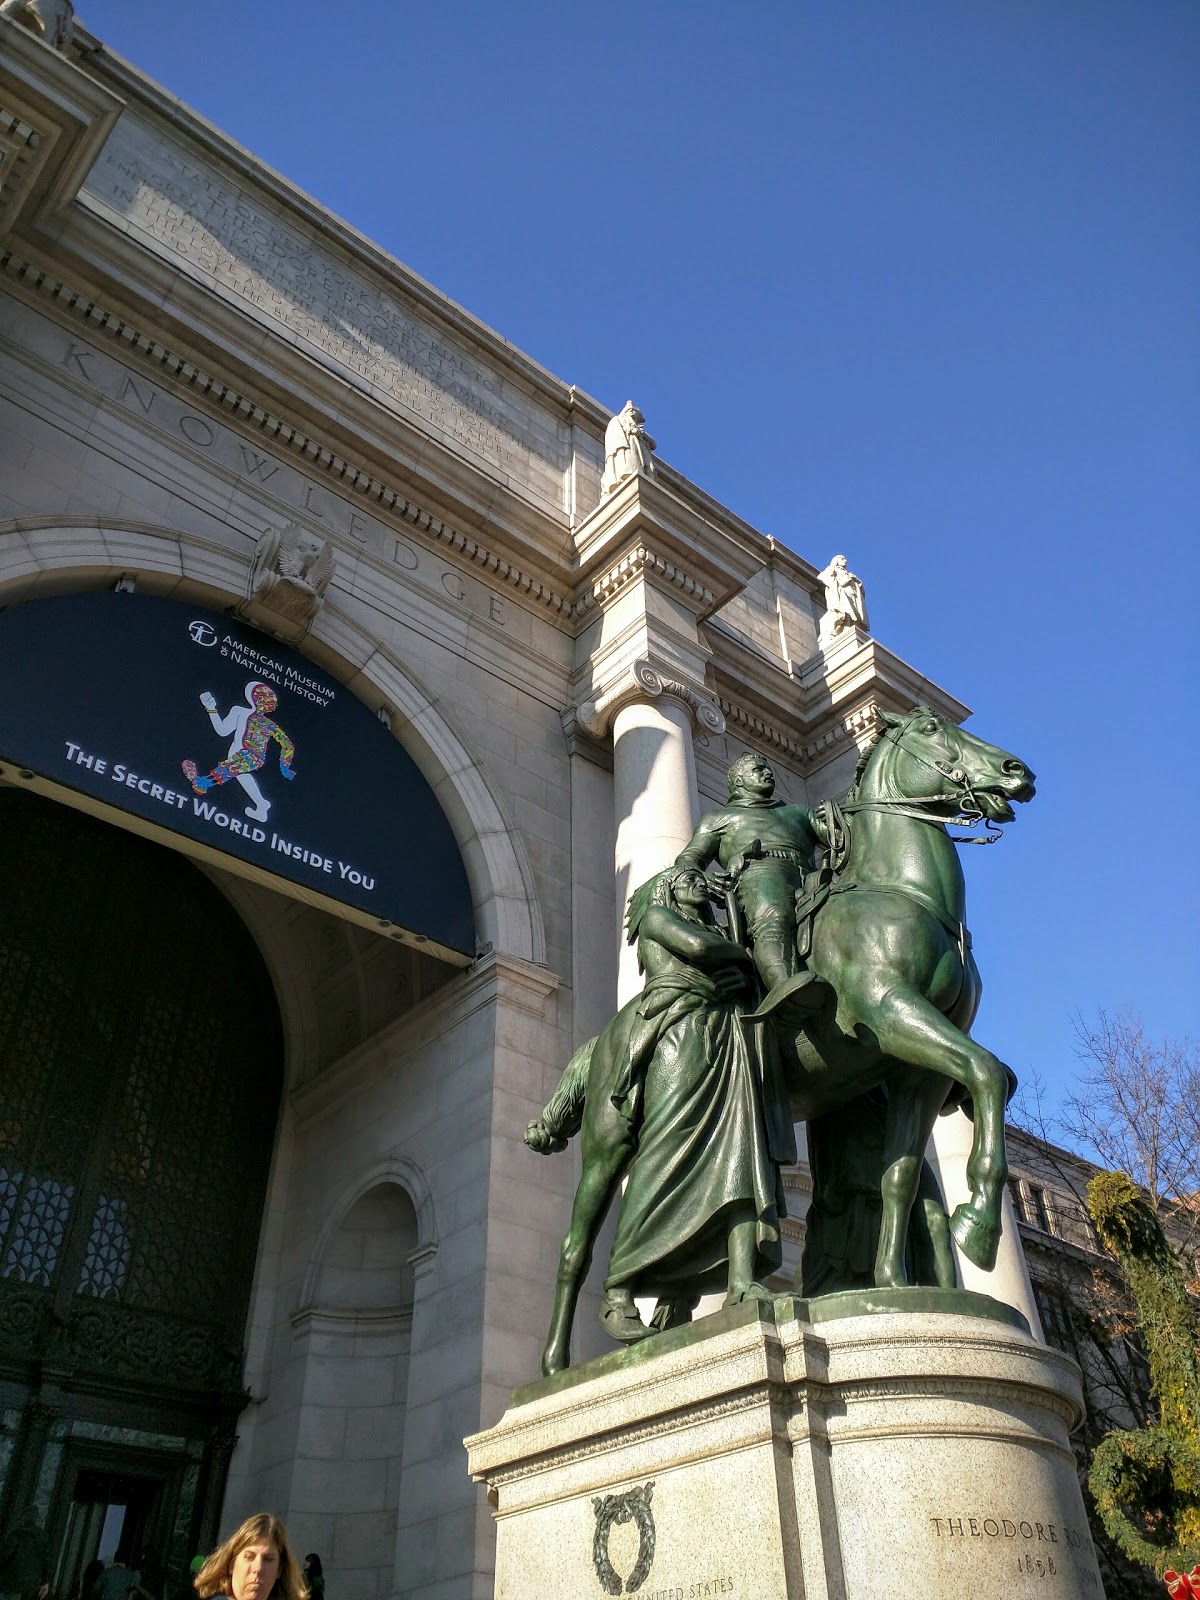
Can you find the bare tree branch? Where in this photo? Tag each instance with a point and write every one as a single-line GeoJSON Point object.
{"type": "Point", "coordinates": [1136, 1109]}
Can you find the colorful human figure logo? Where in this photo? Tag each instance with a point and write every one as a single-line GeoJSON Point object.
{"type": "Point", "coordinates": [252, 731]}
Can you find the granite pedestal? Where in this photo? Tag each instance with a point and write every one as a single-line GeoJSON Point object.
{"type": "Point", "coordinates": [837, 1449]}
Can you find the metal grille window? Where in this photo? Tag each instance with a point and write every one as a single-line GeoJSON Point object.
{"type": "Point", "coordinates": [108, 1251]}
{"type": "Point", "coordinates": [142, 1063]}
{"type": "Point", "coordinates": [37, 1226]}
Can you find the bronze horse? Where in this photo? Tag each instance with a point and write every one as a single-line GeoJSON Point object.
{"type": "Point", "coordinates": [892, 943]}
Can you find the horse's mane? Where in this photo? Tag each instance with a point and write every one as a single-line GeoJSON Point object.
{"type": "Point", "coordinates": [868, 750]}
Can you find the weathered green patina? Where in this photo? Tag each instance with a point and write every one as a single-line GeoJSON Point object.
{"type": "Point", "coordinates": [692, 1087]}
{"type": "Point", "coordinates": [893, 944]}
{"type": "Point", "coordinates": [765, 850]}
{"type": "Point", "coordinates": [679, 1095]}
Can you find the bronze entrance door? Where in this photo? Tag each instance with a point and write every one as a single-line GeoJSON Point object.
{"type": "Point", "coordinates": [120, 1514]}
{"type": "Point", "coordinates": [140, 1073]}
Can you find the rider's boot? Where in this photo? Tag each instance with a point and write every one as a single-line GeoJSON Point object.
{"type": "Point", "coordinates": [798, 997]}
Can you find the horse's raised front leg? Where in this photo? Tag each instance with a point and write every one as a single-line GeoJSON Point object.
{"type": "Point", "coordinates": [604, 1162]}
{"type": "Point", "coordinates": [914, 1101]}
{"type": "Point", "coordinates": [909, 1027]}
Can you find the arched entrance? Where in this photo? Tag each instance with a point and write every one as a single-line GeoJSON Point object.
{"type": "Point", "coordinates": [142, 1067]}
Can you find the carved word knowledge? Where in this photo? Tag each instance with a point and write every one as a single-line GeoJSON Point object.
{"type": "Point", "coordinates": [280, 479]}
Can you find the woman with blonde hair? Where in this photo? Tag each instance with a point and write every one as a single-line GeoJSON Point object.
{"type": "Point", "coordinates": [255, 1563]}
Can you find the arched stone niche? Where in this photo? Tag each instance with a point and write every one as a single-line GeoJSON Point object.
{"type": "Point", "coordinates": [353, 1334]}
{"type": "Point", "coordinates": [368, 1262]}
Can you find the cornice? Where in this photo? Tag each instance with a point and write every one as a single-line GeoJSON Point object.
{"type": "Point", "coordinates": [54, 119]}
{"type": "Point", "coordinates": [636, 563]}
{"type": "Point", "coordinates": [136, 346]}
{"type": "Point", "coordinates": [660, 529]}
{"type": "Point", "coordinates": [854, 726]}
{"type": "Point", "coordinates": [807, 713]}
{"type": "Point", "coordinates": [18, 162]}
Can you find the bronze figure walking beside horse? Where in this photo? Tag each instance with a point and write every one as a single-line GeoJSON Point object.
{"type": "Point", "coordinates": [891, 942]}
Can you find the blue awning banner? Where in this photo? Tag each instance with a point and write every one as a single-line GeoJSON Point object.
{"type": "Point", "coordinates": [204, 728]}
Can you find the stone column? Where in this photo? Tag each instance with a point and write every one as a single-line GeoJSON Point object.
{"type": "Point", "coordinates": [33, 1436]}
{"type": "Point", "coordinates": [1009, 1279]}
{"type": "Point", "coordinates": [655, 801]}
{"type": "Point", "coordinates": [214, 1474]}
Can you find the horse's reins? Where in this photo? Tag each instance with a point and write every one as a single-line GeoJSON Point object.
{"type": "Point", "coordinates": [839, 832]}
{"type": "Point", "coordinates": [968, 816]}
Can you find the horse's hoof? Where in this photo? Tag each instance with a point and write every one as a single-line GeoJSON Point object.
{"type": "Point", "coordinates": [978, 1240]}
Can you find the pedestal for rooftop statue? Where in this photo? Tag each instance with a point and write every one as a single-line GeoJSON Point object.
{"type": "Point", "coordinates": [838, 1449]}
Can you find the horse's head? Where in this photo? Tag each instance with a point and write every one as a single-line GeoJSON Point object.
{"type": "Point", "coordinates": [927, 754]}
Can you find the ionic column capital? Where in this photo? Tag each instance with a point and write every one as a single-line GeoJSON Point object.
{"type": "Point", "coordinates": [642, 681]}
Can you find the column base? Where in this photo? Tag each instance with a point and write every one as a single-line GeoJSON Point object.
{"type": "Point", "coordinates": [919, 1453]}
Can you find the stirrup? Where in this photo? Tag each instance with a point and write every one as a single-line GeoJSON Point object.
{"type": "Point", "coordinates": [806, 990]}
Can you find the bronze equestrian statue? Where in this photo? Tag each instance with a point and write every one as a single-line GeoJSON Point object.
{"type": "Point", "coordinates": [889, 939]}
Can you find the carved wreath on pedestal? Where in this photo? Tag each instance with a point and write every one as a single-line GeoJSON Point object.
{"type": "Point", "coordinates": [632, 1506]}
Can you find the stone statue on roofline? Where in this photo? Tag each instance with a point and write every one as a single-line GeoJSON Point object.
{"type": "Point", "coordinates": [845, 602]}
{"type": "Point", "coordinates": [627, 448]}
{"type": "Point", "coordinates": [52, 20]}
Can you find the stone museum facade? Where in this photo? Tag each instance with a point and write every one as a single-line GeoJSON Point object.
{"type": "Point", "coordinates": [269, 1234]}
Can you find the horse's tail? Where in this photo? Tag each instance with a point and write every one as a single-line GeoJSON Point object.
{"type": "Point", "coordinates": [563, 1116]}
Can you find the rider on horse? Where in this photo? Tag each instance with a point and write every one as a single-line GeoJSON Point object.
{"type": "Point", "coordinates": [766, 849]}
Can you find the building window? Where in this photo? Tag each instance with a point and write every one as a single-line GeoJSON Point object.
{"type": "Point", "coordinates": [1055, 1314]}
{"type": "Point", "coordinates": [1038, 1214]}
{"type": "Point", "coordinates": [1029, 1202]}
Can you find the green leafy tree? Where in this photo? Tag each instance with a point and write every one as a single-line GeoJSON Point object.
{"type": "Point", "coordinates": [1134, 1108]}
{"type": "Point", "coordinates": [1146, 1481]}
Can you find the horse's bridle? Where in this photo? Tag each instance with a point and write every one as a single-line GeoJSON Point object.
{"type": "Point", "coordinates": [966, 816]}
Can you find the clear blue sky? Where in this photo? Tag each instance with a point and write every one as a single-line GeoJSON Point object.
{"type": "Point", "coordinates": [914, 279]}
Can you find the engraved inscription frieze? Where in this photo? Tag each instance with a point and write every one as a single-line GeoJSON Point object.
{"type": "Point", "coordinates": [1029, 1547]}
{"type": "Point", "coordinates": [267, 478]}
{"type": "Point", "coordinates": [218, 233]}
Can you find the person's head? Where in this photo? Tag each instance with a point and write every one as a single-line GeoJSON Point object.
{"type": "Point", "coordinates": [263, 697]}
{"type": "Point", "coordinates": [312, 1565]}
{"type": "Point", "coordinates": [751, 775]}
{"type": "Point", "coordinates": [255, 1563]}
{"type": "Point", "coordinates": [683, 890]}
